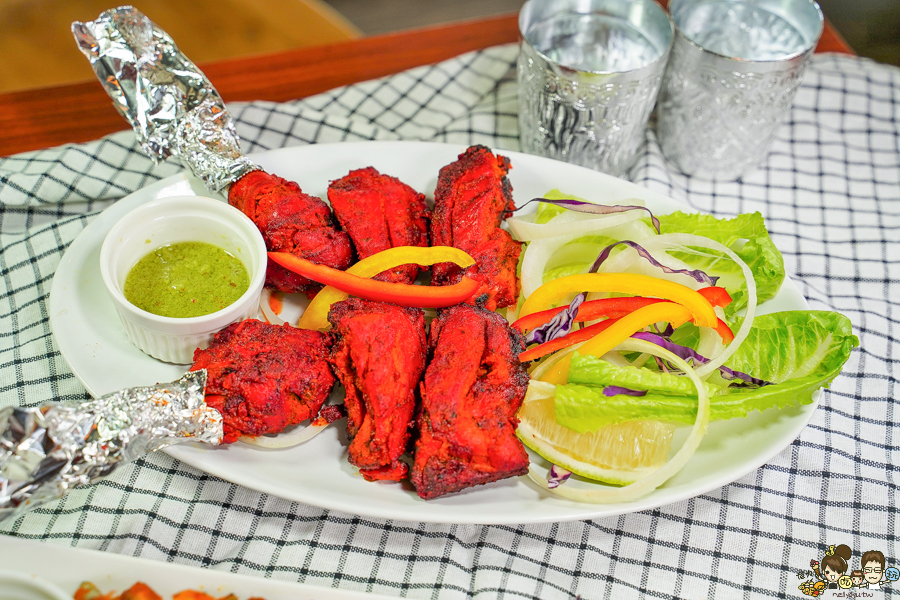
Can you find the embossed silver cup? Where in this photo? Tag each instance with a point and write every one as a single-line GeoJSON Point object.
{"type": "Point", "coordinates": [734, 70]}
{"type": "Point", "coordinates": [589, 72]}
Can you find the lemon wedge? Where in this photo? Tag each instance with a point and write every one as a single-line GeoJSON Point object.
{"type": "Point", "coordinates": [617, 454]}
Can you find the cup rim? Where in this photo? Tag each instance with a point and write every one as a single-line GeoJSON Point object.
{"type": "Point", "coordinates": [809, 48]}
{"type": "Point", "coordinates": [171, 324]}
{"type": "Point", "coordinates": [639, 72]}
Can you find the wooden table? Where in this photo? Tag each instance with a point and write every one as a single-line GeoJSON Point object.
{"type": "Point", "coordinates": [34, 119]}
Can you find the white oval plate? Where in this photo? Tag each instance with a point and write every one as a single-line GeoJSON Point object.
{"type": "Point", "coordinates": [93, 342]}
{"type": "Point", "coordinates": [66, 568]}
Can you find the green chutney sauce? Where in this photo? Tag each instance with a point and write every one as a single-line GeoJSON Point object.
{"type": "Point", "coordinates": [188, 279]}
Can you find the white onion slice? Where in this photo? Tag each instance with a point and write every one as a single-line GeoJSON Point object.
{"type": "Point", "coordinates": [710, 342]}
{"type": "Point", "coordinates": [552, 359]}
{"type": "Point", "coordinates": [535, 259]}
{"type": "Point", "coordinates": [538, 254]}
{"type": "Point", "coordinates": [296, 437]}
{"type": "Point", "coordinates": [614, 358]}
{"type": "Point", "coordinates": [266, 308]}
{"type": "Point", "coordinates": [642, 487]}
{"type": "Point", "coordinates": [526, 230]}
{"type": "Point", "coordinates": [677, 241]}
{"type": "Point", "coordinates": [640, 360]}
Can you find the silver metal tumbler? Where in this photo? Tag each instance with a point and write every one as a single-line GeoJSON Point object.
{"type": "Point", "coordinates": [589, 72]}
{"type": "Point", "coordinates": [734, 70]}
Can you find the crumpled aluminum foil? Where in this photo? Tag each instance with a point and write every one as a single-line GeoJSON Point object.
{"type": "Point", "coordinates": [172, 106]}
{"type": "Point", "coordinates": [47, 450]}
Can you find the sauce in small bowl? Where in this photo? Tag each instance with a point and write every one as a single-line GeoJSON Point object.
{"type": "Point", "coordinates": [186, 279]}
{"type": "Point", "coordinates": [163, 229]}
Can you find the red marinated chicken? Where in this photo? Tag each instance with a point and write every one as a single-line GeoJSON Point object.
{"type": "Point", "coordinates": [379, 356]}
{"type": "Point", "coordinates": [380, 212]}
{"type": "Point", "coordinates": [472, 389]}
{"type": "Point", "coordinates": [472, 198]}
{"type": "Point", "coordinates": [263, 377]}
{"type": "Point", "coordinates": [294, 222]}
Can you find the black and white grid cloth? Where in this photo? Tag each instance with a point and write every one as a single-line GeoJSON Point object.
{"type": "Point", "coordinates": [830, 194]}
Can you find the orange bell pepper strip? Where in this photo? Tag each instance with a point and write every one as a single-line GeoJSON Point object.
{"type": "Point", "coordinates": [356, 281]}
{"type": "Point", "coordinates": [555, 292]}
{"type": "Point", "coordinates": [618, 332]}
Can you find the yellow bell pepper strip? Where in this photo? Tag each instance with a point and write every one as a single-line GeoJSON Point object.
{"type": "Point", "coordinates": [611, 308]}
{"type": "Point", "coordinates": [316, 314]}
{"type": "Point", "coordinates": [618, 332]}
{"type": "Point", "coordinates": [554, 292]}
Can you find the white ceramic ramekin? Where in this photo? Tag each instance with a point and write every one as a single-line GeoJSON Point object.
{"type": "Point", "coordinates": [169, 221]}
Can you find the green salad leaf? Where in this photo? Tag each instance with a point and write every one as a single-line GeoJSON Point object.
{"type": "Point", "coordinates": [799, 351]}
{"type": "Point", "coordinates": [594, 371]}
{"type": "Point", "coordinates": [747, 236]}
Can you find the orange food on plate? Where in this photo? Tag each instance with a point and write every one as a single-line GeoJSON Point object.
{"type": "Point", "coordinates": [141, 591]}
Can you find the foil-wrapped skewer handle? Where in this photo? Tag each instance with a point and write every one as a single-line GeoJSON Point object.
{"type": "Point", "coordinates": [47, 450]}
{"type": "Point", "coordinates": [171, 105]}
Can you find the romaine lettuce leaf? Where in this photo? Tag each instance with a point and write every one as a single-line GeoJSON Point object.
{"type": "Point", "coordinates": [596, 372]}
{"type": "Point", "coordinates": [746, 234]}
{"type": "Point", "coordinates": [801, 351]}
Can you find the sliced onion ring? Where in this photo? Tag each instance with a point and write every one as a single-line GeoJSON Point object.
{"type": "Point", "coordinates": [525, 229]}
{"type": "Point", "coordinates": [299, 435]}
{"type": "Point", "coordinates": [676, 241]}
{"type": "Point", "coordinates": [266, 308]}
{"type": "Point", "coordinates": [642, 487]}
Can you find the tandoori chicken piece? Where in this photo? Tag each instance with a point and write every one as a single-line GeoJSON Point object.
{"type": "Point", "coordinates": [379, 356]}
{"type": "Point", "coordinates": [472, 388]}
{"type": "Point", "coordinates": [472, 198]}
{"type": "Point", "coordinates": [380, 212]}
{"type": "Point", "coordinates": [294, 222]}
{"type": "Point", "coordinates": [264, 377]}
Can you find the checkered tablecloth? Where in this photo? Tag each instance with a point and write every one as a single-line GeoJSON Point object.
{"type": "Point", "coordinates": [830, 194]}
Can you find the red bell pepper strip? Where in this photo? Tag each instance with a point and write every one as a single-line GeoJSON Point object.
{"type": "Point", "coordinates": [574, 337]}
{"type": "Point", "coordinates": [613, 307]}
{"type": "Point", "coordinates": [553, 293]}
{"type": "Point", "coordinates": [316, 314]}
{"type": "Point", "coordinates": [586, 333]}
{"type": "Point", "coordinates": [396, 293]}
{"type": "Point", "coordinates": [724, 331]}
{"type": "Point", "coordinates": [620, 330]}
{"type": "Point", "coordinates": [717, 296]}
{"type": "Point", "coordinates": [588, 311]}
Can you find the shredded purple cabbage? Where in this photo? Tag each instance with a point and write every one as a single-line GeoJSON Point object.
{"type": "Point", "coordinates": [690, 355]}
{"type": "Point", "coordinates": [557, 476]}
{"type": "Point", "coordinates": [558, 326]}
{"type": "Point", "coordinates": [696, 274]}
{"type": "Point", "coordinates": [617, 390]}
{"type": "Point", "coordinates": [596, 209]}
